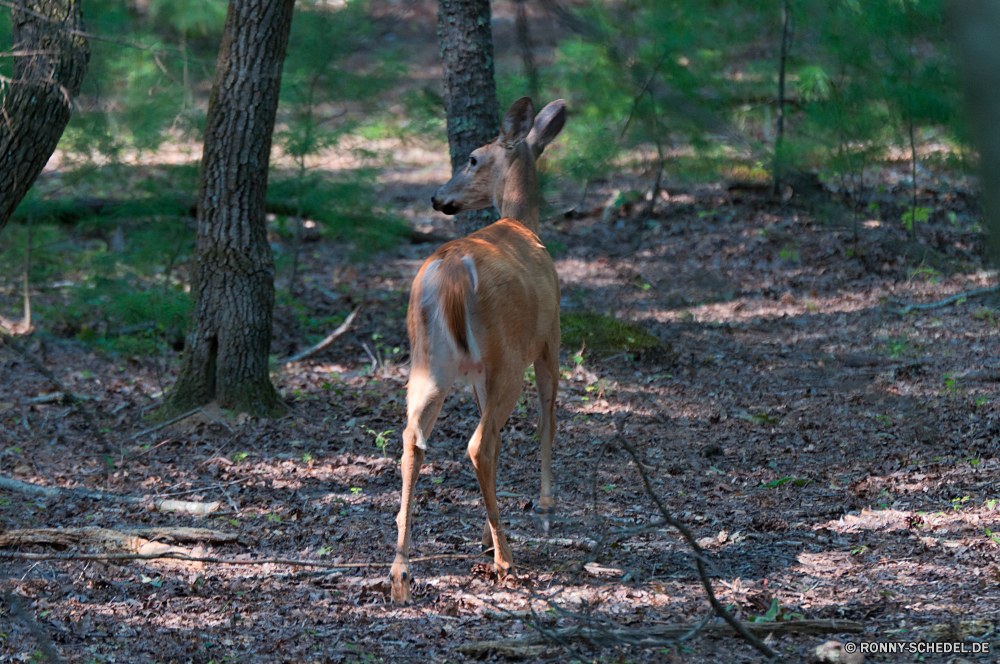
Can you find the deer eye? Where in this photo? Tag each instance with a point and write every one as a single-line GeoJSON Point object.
{"type": "Point", "coordinates": [472, 161]}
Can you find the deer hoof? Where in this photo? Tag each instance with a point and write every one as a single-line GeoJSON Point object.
{"type": "Point", "coordinates": [399, 577]}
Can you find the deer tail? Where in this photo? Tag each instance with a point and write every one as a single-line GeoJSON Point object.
{"type": "Point", "coordinates": [448, 287]}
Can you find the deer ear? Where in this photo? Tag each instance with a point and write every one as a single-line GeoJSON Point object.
{"type": "Point", "coordinates": [548, 123]}
{"type": "Point", "coordinates": [517, 122]}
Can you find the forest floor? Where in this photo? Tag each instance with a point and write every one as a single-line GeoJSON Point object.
{"type": "Point", "coordinates": [836, 459]}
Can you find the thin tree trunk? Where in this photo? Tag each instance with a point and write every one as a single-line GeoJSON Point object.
{"type": "Point", "coordinates": [470, 93]}
{"type": "Point", "coordinates": [910, 122]}
{"type": "Point", "coordinates": [528, 67]}
{"type": "Point", "coordinates": [779, 157]}
{"type": "Point", "coordinates": [226, 351]}
{"type": "Point", "coordinates": [35, 106]}
{"type": "Point", "coordinates": [976, 26]}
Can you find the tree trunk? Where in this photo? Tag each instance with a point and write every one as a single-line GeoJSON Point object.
{"type": "Point", "coordinates": [779, 147]}
{"type": "Point", "coordinates": [528, 67]}
{"type": "Point", "coordinates": [976, 27]}
{"type": "Point", "coordinates": [49, 67]}
{"type": "Point", "coordinates": [226, 352]}
{"type": "Point", "coordinates": [470, 92]}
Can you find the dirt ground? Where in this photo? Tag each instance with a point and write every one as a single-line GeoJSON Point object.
{"type": "Point", "coordinates": [830, 454]}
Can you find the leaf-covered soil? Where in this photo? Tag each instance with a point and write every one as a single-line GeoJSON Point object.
{"type": "Point", "coordinates": [830, 454]}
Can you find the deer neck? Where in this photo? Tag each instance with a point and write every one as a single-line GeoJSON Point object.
{"type": "Point", "coordinates": [515, 193]}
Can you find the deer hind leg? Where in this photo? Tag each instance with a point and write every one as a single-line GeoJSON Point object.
{"type": "Point", "coordinates": [424, 398]}
{"type": "Point", "coordinates": [547, 382]}
{"type": "Point", "coordinates": [484, 450]}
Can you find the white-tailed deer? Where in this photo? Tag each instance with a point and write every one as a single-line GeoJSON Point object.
{"type": "Point", "coordinates": [483, 308]}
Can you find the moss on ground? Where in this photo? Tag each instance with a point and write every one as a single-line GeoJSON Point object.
{"type": "Point", "coordinates": [603, 333]}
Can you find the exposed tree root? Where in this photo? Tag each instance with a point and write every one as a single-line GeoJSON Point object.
{"type": "Point", "coordinates": [978, 292]}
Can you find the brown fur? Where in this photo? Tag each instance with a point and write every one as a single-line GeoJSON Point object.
{"type": "Point", "coordinates": [513, 312]}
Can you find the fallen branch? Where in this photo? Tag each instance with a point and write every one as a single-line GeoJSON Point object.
{"type": "Point", "coordinates": [15, 347]}
{"type": "Point", "coordinates": [978, 292]}
{"type": "Point", "coordinates": [699, 554]}
{"type": "Point", "coordinates": [532, 644]}
{"type": "Point", "coordinates": [165, 424]}
{"type": "Point", "coordinates": [174, 555]}
{"type": "Point", "coordinates": [164, 505]}
{"type": "Point", "coordinates": [129, 540]}
{"type": "Point", "coordinates": [326, 342]}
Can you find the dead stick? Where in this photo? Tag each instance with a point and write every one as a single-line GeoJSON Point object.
{"type": "Point", "coordinates": [326, 342]}
{"type": "Point", "coordinates": [165, 424]}
{"type": "Point", "coordinates": [699, 554]}
{"type": "Point", "coordinates": [15, 346]}
{"type": "Point", "coordinates": [174, 555]}
{"type": "Point", "coordinates": [41, 638]}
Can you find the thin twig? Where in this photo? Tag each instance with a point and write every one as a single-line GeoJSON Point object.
{"type": "Point", "coordinates": [177, 555]}
{"type": "Point", "coordinates": [41, 638]}
{"type": "Point", "coordinates": [642, 91]}
{"type": "Point", "coordinates": [978, 292]}
{"type": "Point", "coordinates": [15, 347]}
{"type": "Point", "coordinates": [699, 552]}
{"type": "Point", "coordinates": [165, 424]}
{"type": "Point", "coordinates": [326, 342]}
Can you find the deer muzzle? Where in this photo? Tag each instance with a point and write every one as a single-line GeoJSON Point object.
{"type": "Point", "coordinates": [448, 206]}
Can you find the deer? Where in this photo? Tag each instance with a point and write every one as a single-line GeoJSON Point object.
{"type": "Point", "coordinates": [482, 309]}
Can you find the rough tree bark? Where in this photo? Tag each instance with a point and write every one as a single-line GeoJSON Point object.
{"type": "Point", "coordinates": [50, 61]}
{"type": "Point", "coordinates": [470, 93]}
{"type": "Point", "coordinates": [976, 27]}
{"type": "Point", "coordinates": [226, 351]}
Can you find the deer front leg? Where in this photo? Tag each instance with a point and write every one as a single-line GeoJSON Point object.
{"type": "Point", "coordinates": [484, 450]}
{"type": "Point", "coordinates": [481, 451]}
{"type": "Point", "coordinates": [547, 382]}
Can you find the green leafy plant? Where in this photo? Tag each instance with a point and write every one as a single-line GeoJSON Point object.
{"type": "Point", "coordinates": [914, 215]}
{"type": "Point", "coordinates": [381, 439]}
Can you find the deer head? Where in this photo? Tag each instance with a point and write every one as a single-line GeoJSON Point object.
{"type": "Point", "coordinates": [502, 172]}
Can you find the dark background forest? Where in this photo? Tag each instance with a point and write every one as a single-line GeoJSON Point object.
{"type": "Point", "coordinates": [769, 219]}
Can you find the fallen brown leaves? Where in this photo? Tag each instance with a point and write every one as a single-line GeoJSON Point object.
{"type": "Point", "coordinates": [837, 461]}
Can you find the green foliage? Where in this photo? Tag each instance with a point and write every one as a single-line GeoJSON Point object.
{"type": "Point", "coordinates": [603, 333]}
{"type": "Point", "coordinates": [343, 206]}
{"type": "Point", "coordinates": [859, 77]}
{"type": "Point", "coordinates": [914, 215]}
{"type": "Point", "coordinates": [317, 78]}
{"type": "Point", "coordinates": [118, 275]}
{"type": "Point", "coordinates": [135, 97]}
